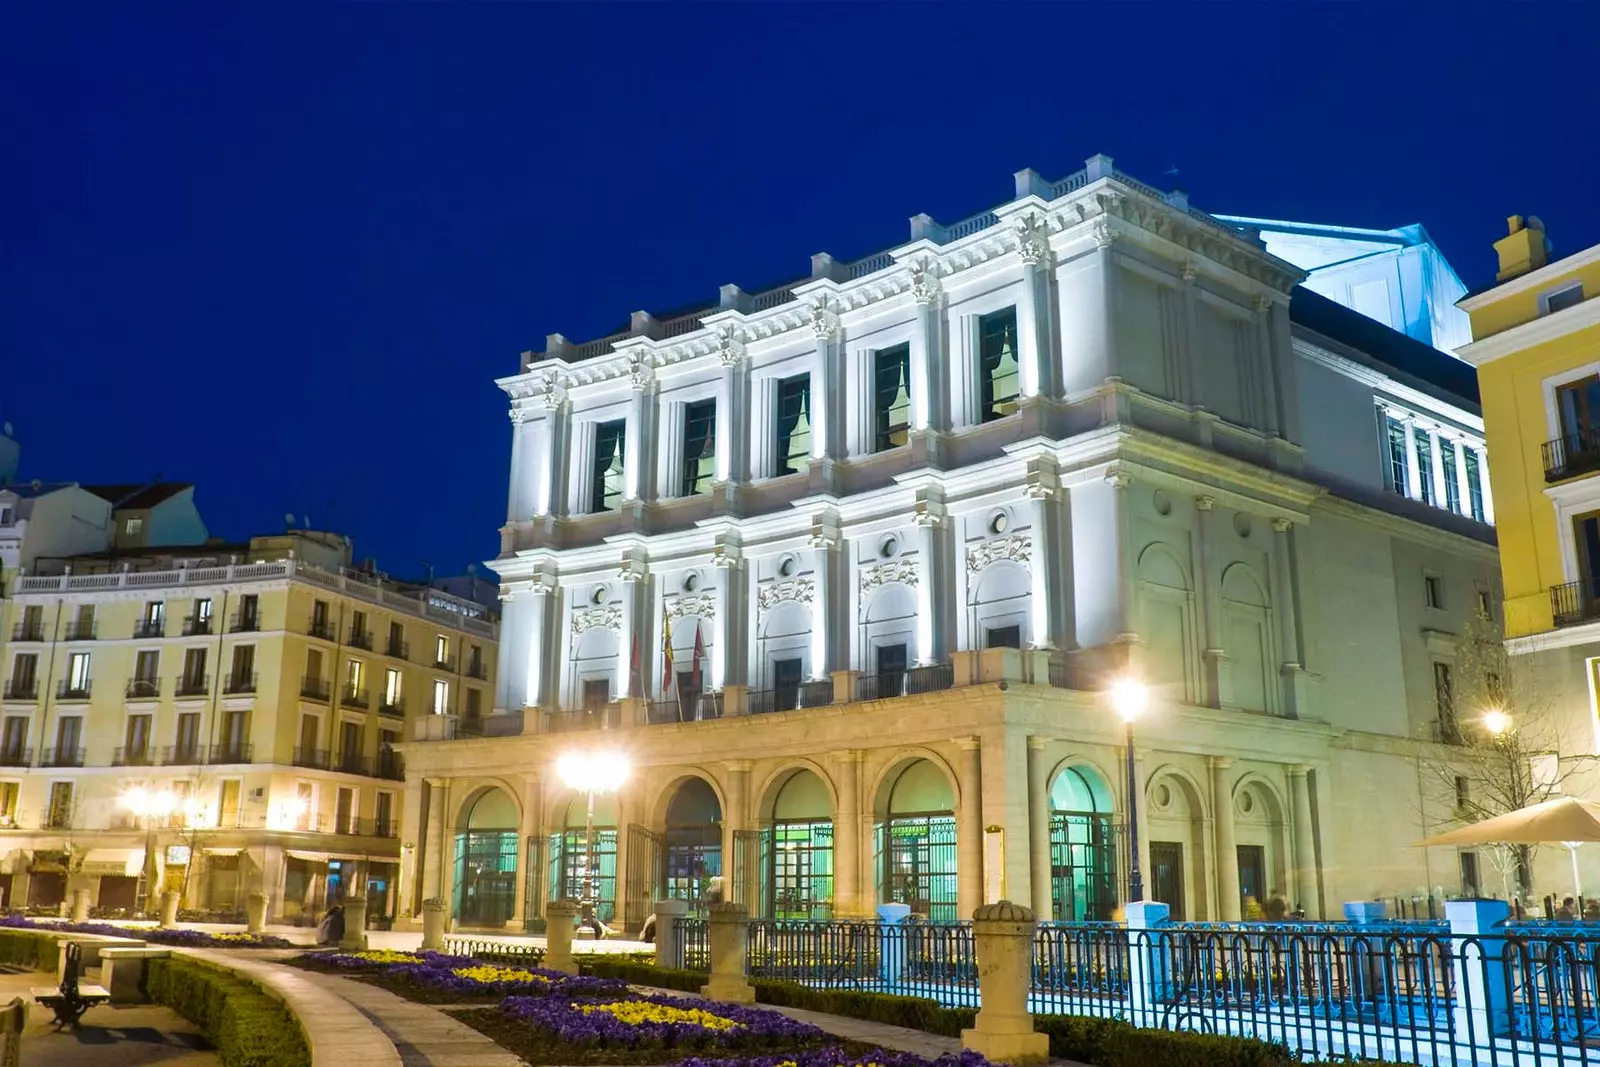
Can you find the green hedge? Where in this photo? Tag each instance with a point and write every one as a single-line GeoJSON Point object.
{"type": "Point", "coordinates": [1098, 1042]}
{"type": "Point", "coordinates": [247, 1027]}
{"type": "Point", "coordinates": [34, 952]}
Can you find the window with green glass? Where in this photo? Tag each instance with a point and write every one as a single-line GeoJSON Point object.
{"type": "Point", "coordinates": [1452, 488]}
{"type": "Point", "coordinates": [699, 446]}
{"type": "Point", "coordinates": [794, 424]}
{"type": "Point", "coordinates": [891, 397]}
{"type": "Point", "coordinates": [605, 485]}
{"type": "Point", "coordinates": [1425, 465]}
{"type": "Point", "coordinates": [1475, 484]}
{"type": "Point", "coordinates": [998, 383]}
{"type": "Point", "coordinates": [1399, 455]}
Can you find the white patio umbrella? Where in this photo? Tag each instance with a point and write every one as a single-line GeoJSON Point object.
{"type": "Point", "coordinates": [1564, 820]}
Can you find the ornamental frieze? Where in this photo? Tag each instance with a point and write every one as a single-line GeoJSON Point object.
{"type": "Point", "coordinates": [903, 571]}
{"type": "Point", "coordinates": [801, 590]}
{"type": "Point", "coordinates": [1017, 548]}
{"type": "Point", "coordinates": [700, 606]}
{"type": "Point", "coordinates": [603, 618]}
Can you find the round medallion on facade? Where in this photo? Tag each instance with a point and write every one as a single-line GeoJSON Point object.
{"type": "Point", "coordinates": [998, 522]}
{"type": "Point", "coordinates": [1162, 503]}
{"type": "Point", "coordinates": [691, 582]}
{"type": "Point", "coordinates": [786, 567]}
{"type": "Point", "coordinates": [1162, 797]}
{"type": "Point", "coordinates": [600, 595]}
{"type": "Point", "coordinates": [889, 547]}
{"type": "Point", "coordinates": [1241, 525]}
{"type": "Point", "coordinates": [1246, 803]}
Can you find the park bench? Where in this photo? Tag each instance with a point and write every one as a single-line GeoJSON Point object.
{"type": "Point", "coordinates": [71, 1000]}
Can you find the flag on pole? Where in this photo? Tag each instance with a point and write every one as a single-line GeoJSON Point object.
{"type": "Point", "coordinates": [667, 675]}
{"type": "Point", "coordinates": [699, 654]}
{"type": "Point", "coordinates": [635, 668]}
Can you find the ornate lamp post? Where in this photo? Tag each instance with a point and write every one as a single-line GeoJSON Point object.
{"type": "Point", "coordinates": [1129, 698]}
{"type": "Point", "coordinates": [592, 773]}
{"type": "Point", "coordinates": [150, 805]}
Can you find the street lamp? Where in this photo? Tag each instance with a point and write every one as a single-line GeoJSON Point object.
{"type": "Point", "coordinates": [1499, 725]}
{"type": "Point", "coordinates": [592, 773]}
{"type": "Point", "coordinates": [149, 805]}
{"type": "Point", "coordinates": [1129, 698]}
{"type": "Point", "coordinates": [1497, 722]}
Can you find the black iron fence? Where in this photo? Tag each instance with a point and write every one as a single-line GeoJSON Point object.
{"type": "Point", "coordinates": [508, 953]}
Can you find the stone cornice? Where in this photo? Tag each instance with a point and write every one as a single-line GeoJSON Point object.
{"type": "Point", "coordinates": [1543, 278]}
{"type": "Point", "coordinates": [1539, 331]}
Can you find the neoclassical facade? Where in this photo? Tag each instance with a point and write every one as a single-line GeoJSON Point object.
{"type": "Point", "coordinates": [843, 569]}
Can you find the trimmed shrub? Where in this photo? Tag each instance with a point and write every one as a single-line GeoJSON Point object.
{"type": "Point", "coordinates": [1130, 1046]}
{"type": "Point", "coordinates": [642, 973]}
{"type": "Point", "coordinates": [914, 1013]}
{"type": "Point", "coordinates": [34, 952]}
{"type": "Point", "coordinates": [247, 1027]}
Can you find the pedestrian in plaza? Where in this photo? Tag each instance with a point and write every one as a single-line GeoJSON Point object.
{"type": "Point", "coordinates": [1566, 911]}
{"type": "Point", "coordinates": [331, 930]}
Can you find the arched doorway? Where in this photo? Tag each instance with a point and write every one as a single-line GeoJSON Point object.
{"type": "Point", "coordinates": [570, 874]}
{"type": "Point", "coordinates": [916, 843]}
{"type": "Point", "coordinates": [486, 861]}
{"type": "Point", "coordinates": [799, 849]}
{"type": "Point", "coordinates": [693, 842]}
{"type": "Point", "coordinates": [1083, 864]}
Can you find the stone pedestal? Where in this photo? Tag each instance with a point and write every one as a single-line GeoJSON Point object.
{"type": "Point", "coordinates": [80, 905]}
{"type": "Point", "coordinates": [728, 927]}
{"type": "Point", "coordinates": [433, 917]}
{"type": "Point", "coordinates": [169, 909]}
{"type": "Point", "coordinates": [1482, 1008]}
{"type": "Point", "coordinates": [122, 972]}
{"type": "Point", "coordinates": [1002, 934]}
{"type": "Point", "coordinates": [669, 939]}
{"type": "Point", "coordinates": [355, 924]}
{"type": "Point", "coordinates": [559, 918]}
{"type": "Point", "coordinates": [255, 912]}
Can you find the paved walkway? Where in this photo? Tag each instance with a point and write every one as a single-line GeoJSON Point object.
{"type": "Point", "coordinates": [422, 1034]}
{"type": "Point", "coordinates": [139, 1035]}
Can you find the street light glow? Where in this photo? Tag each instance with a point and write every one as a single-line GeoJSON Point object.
{"type": "Point", "coordinates": [1496, 721]}
{"type": "Point", "coordinates": [593, 772]}
{"type": "Point", "coordinates": [1129, 697]}
{"type": "Point", "coordinates": [145, 802]}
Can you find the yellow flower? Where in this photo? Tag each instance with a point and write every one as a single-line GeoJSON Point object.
{"type": "Point", "coordinates": [635, 1012]}
{"type": "Point", "coordinates": [489, 974]}
{"type": "Point", "coordinates": [385, 955]}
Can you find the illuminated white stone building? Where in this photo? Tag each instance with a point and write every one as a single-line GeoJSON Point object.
{"type": "Point", "coordinates": [917, 510]}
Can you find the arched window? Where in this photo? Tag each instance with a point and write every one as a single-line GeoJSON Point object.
{"type": "Point", "coordinates": [572, 875]}
{"type": "Point", "coordinates": [800, 849]}
{"type": "Point", "coordinates": [486, 861]}
{"type": "Point", "coordinates": [917, 843]}
{"type": "Point", "coordinates": [694, 842]}
{"type": "Point", "coordinates": [1083, 847]}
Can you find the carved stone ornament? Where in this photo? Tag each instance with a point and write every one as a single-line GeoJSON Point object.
{"type": "Point", "coordinates": [1104, 235]}
{"type": "Point", "coordinates": [518, 416]}
{"type": "Point", "coordinates": [1191, 271]}
{"type": "Point", "coordinates": [1018, 548]}
{"type": "Point", "coordinates": [703, 607]}
{"type": "Point", "coordinates": [730, 350]}
{"type": "Point", "coordinates": [903, 571]}
{"type": "Point", "coordinates": [608, 617]}
{"type": "Point", "coordinates": [639, 373]}
{"type": "Point", "coordinates": [1263, 303]}
{"type": "Point", "coordinates": [924, 282]}
{"type": "Point", "coordinates": [800, 590]}
{"type": "Point", "coordinates": [552, 393]}
{"type": "Point", "coordinates": [824, 320]}
{"type": "Point", "coordinates": [1033, 239]}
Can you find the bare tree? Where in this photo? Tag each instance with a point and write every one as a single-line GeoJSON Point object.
{"type": "Point", "coordinates": [1502, 745]}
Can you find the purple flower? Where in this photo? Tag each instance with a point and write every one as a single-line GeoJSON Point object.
{"type": "Point", "coordinates": [470, 977]}
{"type": "Point", "coordinates": [835, 1057]}
{"type": "Point", "coordinates": [185, 938]}
{"type": "Point", "coordinates": [657, 1021]}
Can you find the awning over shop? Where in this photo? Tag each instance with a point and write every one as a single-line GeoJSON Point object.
{"type": "Point", "coordinates": [309, 857]}
{"type": "Point", "coordinates": [126, 862]}
{"type": "Point", "coordinates": [222, 850]}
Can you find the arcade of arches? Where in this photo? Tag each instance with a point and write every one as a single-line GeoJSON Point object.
{"type": "Point", "coordinates": [811, 840]}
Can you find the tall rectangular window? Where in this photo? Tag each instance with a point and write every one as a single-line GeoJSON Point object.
{"type": "Point", "coordinates": [999, 384]}
{"type": "Point", "coordinates": [1399, 455]}
{"type": "Point", "coordinates": [78, 672]}
{"type": "Point", "coordinates": [1425, 465]}
{"type": "Point", "coordinates": [138, 738]}
{"type": "Point", "coordinates": [14, 739]}
{"type": "Point", "coordinates": [202, 610]}
{"type": "Point", "coordinates": [249, 612]}
{"type": "Point", "coordinates": [188, 736]}
{"type": "Point", "coordinates": [242, 676]}
{"type": "Point", "coordinates": [228, 802]}
{"type": "Point", "coordinates": [194, 672]}
{"type": "Point", "coordinates": [441, 696]}
{"type": "Point", "coordinates": [891, 397]}
{"type": "Point", "coordinates": [391, 688]}
{"type": "Point", "coordinates": [24, 673]}
{"type": "Point", "coordinates": [1452, 485]}
{"type": "Point", "coordinates": [59, 813]}
{"type": "Point", "coordinates": [605, 474]}
{"type": "Point", "coordinates": [1444, 701]}
{"type": "Point", "coordinates": [8, 802]}
{"type": "Point", "coordinates": [1474, 485]}
{"type": "Point", "coordinates": [792, 439]}
{"type": "Point", "coordinates": [699, 446]}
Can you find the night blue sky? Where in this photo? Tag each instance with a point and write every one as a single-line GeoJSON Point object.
{"type": "Point", "coordinates": [284, 253]}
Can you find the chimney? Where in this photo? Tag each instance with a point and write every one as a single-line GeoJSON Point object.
{"type": "Point", "coordinates": [1525, 248]}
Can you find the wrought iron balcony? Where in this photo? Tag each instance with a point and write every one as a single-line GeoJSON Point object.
{"type": "Point", "coordinates": [321, 628]}
{"type": "Point", "coordinates": [183, 755]}
{"type": "Point", "coordinates": [134, 756]}
{"type": "Point", "coordinates": [601, 717]}
{"type": "Point", "coordinates": [791, 697]}
{"type": "Point", "coordinates": [694, 708]}
{"type": "Point", "coordinates": [240, 683]}
{"type": "Point", "coordinates": [244, 622]}
{"type": "Point", "coordinates": [230, 752]}
{"type": "Point", "coordinates": [315, 758]}
{"type": "Point", "coordinates": [478, 669]}
{"type": "Point", "coordinates": [22, 689]}
{"type": "Point", "coordinates": [194, 685]}
{"type": "Point", "coordinates": [355, 697]}
{"type": "Point", "coordinates": [1572, 454]}
{"type": "Point", "coordinates": [69, 691]}
{"type": "Point", "coordinates": [391, 765]}
{"type": "Point", "coordinates": [397, 649]}
{"type": "Point", "coordinates": [909, 682]}
{"type": "Point", "coordinates": [195, 626]}
{"type": "Point", "coordinates": [62, 757]}
{"type": "Point", "coordinates": [444, 663]}
{"type": "Point", "coordinates": [396, 706]}
{"type": "Point", "coordinates": [79, 632]}
{"type": "Point", "coordinates": [361, 639]}
{"type": "Point", "coordinates": [352, 763]}
{"type": "Point", "coordinates": [16, 756]}
{"type": "Point", "coordinates": [28, 631]}
{"type": "Point", "coordinates": [144, 688]}
{"type": "Point", "coordinates": [1575, 602]}
{"type": "Point", "coordinates": [316, 688]}
{"type": "Point", "coordinates": [150, 627]}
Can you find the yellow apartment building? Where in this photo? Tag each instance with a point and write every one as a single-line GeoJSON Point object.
{"type": "Point", "coordinates": [232, 709]}
{"type": "Point", "coordinates": [1536, 345]}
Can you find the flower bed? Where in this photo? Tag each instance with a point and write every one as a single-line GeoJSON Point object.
{"type": "Point", "coordinates": [659, 1022]}
{"type": "Point", "coordinates": [377, 959]}
{"type": "Point", "coordinates": [835, 1056]}
{"type": "Point", "coordinates": [154, 935]}
{"type": "Point", "coordinates": [435, 978]}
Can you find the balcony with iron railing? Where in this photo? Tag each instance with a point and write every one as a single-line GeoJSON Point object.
{"type": "Point", "coordinates": [351, 763]}
{"type": "Point", "coordinates": [56, 756]}
{"type": "Point", "coordinates": [477, 669]}
{"type": "Point", "coordinates": [790, 698]}
{"type": "Point", "coordinates": [318, 689]}
{"type": "Point", "coordinates": [22, 689]}
{"type": "Point", "coordinates": [244, 622]}
{"type": "Point", "coordinates": [239, 683]}
{"type": "Point", "coordinates": [444, 663]}
{"type": "Point", "coordinates": [315, 758]}
{"type": "Point", "coordinates": [597, 717]}
{"type": "Point", "coordinates": [397, 649]}
{"type": "Point", "coordinates": [352, 696]}
{"type": "Point", "coordinates": [696, 707]}
{"type": "Point", "coordinates": [321, 628]}
{"type": "Point", "coordinates": [183, 755]}
{"type": "Point", "coordinates": [144, 688]}
{"type": "Point", "coordinates": [1572, 454]}
{"type": "Point", "coordinates": [70, 690]}
{"type": "Point", "coordinates": [909, 682]}
{"type": "Point", "coordinates": [395, 706]}
{"type": "Point", "coordinates": [134, 756]}
{"type": "Point", "coordinates": [195, 626]}
{"type": "Point", "coordinates": [24, 631]}
{"type": "Point", "coordinates": [194, 685]}
{"type": "Point", "coordinates": [361, 639]}
{"type": "Point", "coordinates": [147, 628]}
{"type": "Point", "coordinates": [230, 752]}
{"type": "Point", "coordinates": [391, 765]}
{"type": "Point", "coordinates": [16, 756]}
{"type": "Point", "coordinates": [79, 631]}
{"type": "Point", "coordinates": [1572, 603]}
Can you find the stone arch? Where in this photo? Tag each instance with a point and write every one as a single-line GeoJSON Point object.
{"type": "Point", "coordinates": [1092, 785]}
{"type": "Point", "coordinates": [915, 798]}
{"type": "Point", "coordinates": [486, 856]}
{"type": "Point", "coordinates": [669, 790]}
{"type": "Point", "coordinates": [1242, 585]}
{"type": "Point", "coordinates": [1083, 842]}
{"type": "Point", "coordinates": [479, 788]}
{"type": "Point", "coordinates": [772, 785]}
{"type": "Point", "coordinates": [883, 781]}
{"type": "Point", "coordinates": [1261, 822]}
{"type": "Point", "coordinates": [1167, 621]}
{"type": "Point", "coordinates": [594, 657]}
{"type": "Point", "coordinates": [1160, 564]}
{"type": "Point", "coordinates": [784, 632]}
{"type": "Point", "coordinates": [998, 598]}
{"type": "Point", "coordinates": [1176, 818]}
{"type": "Point", "coordinates": [1247, 639]}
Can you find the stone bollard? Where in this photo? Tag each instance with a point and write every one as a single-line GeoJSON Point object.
{"type": "Point", "coordinates": [1147, 961]}
{"type": "Point", "coordinates": [1002, 935]}
{"type": "Point", "coordinates": [432, 925]}
{"type": "Point", "coordinates": [728, 927]}
{"type": "Point", "coordinates": [80, 905]}
{"type": "Point", "coordinates": [892, 948]}
{"type": "Point", "coordinates": [1482, 1010]}
{"type": "Point", "coordinates": [255, 912]}
{"type": "Point", "coordinates": [169, 909]}
{"type": "Point", "coordinates": [355, 924]}
{"type": "Point", "coordinates": [559, 918]}
{"type": "Point", "coordinates": [669, 938]}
